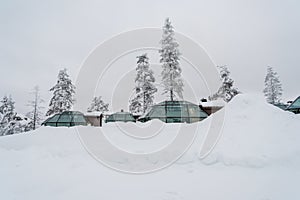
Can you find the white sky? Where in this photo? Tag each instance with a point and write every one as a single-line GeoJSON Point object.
{"type": "Point", "coordinates": [40, 37]}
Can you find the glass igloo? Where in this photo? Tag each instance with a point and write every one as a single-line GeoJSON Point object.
{"type": "Point", "coordinates": [175, 112]}
{"type": "Point", "coordinates": [120, 117]}
{"type": "Point", "coordinates": [66, 118]}
{"type": "Point", "coordinates": [295, 106]}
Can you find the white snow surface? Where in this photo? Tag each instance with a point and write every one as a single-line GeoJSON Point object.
{"type": "Point", "coordinates": [256, 134]}
{"type": "Point", "coordinates": [257, 157]}
{"type": "Point", "coordinates": [219, 103]}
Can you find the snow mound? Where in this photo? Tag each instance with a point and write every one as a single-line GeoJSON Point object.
{"type": "Point", "coordinates": [256, 134]}
{"type": "Point", "coordinates": [51, 163]}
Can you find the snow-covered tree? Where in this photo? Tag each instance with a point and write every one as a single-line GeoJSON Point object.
{"type": "Point", "coordinates": [226, 90]}
{"type": "Point", "coordinates": [169, 58]}
{"type": "Point", "coordinates": [13, 127]}
{"type": "Point", "coordinates": [98, 105]}
{"type": "Point", "coordinates": [7, 110]}
{"type": "Point", "coordinates": [273, 87]}
{"type": "Point", "coordinates": [63, 94]}
{"type": "Point", "coordinates": [8, 123]}
{"type": "Point", "coordinates": [35, 114]}
{"type": "Point", "coordinates": [145, 88]}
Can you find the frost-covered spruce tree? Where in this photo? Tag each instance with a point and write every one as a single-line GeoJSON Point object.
{"type": "Point", "coordinates": [7, 110]}
{"type": "Point", "coordinates": [144, 89]}
{"type": "Point", "coordinates": [63, 94]}
{"type": "Point", "coordinates": [8, 124]}
{"type": "Point", "coordinates": [36, 115]}
{"type": "Point", "coordinates": [10, 121]}
{"type": "Point", "coordinates": [169, 58]}
{"type": "Point", "coordinates": [273, 87]}
{"type": "Point", "coordinates": [226, 90]}
{"type": "Point", "coordinates": [98, 105]}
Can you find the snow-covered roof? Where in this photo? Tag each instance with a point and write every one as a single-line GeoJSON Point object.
{"type": "Point", "coordinates": [214, 103]}
{"type": "Point", "coordinates": [94, 113]}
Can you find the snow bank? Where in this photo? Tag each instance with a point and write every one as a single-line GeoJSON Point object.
{"type": "Point", "coordinates": [256, 134]}
{"type": "Point", "coordinates": [259, 146]}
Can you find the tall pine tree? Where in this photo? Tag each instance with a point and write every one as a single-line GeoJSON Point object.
{"type": "Point", "coordinates": [145, 88]}
{"type": "Point", "coordinates": [63, 94]}
{"type": "Point", "coordinates": [273, 87]}
{"type": "Point", "coordinates": [171, 73]}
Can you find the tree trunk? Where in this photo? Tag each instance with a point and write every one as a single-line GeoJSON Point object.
{"type": "Point", "coordinates": [171, 90]}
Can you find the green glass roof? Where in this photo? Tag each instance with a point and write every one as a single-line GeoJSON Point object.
{"type": "Point", "coordinates": [175, 111]}
{"type": "Point", "coordinates": [66, 118]}
{"type": "Point", "coordinates": [120, 116]}
{"type": "Point", "coordinates": [295, 104]}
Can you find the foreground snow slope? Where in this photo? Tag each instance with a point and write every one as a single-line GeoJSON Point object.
{"type": "Point", "coordinates": [257, 157]}
{"type": "Point", "coordinates": [257, 134]}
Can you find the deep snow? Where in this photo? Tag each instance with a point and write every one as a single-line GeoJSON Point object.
{"type": "Point", "coordinates": [256, 157]}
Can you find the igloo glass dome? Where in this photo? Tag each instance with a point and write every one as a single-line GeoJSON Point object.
{"type": "Point", "coordinates": [66, 118]}
{"type": "Point", "coordinates": [175, 112]}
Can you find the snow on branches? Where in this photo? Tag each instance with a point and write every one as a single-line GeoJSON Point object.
{"type": "Point", "coordinates": [145, 89]}
{"type": "Point", "coordinates": [226, 90]}
{"type": "Point", "coordinates": [10, 121]}
{"type": "Point", "coordinates": [63, 94]}
{"type": "Point", "coordinates": [98, 105]}
{"type": "Point", "coordinates": [169, 53]}
{"type": "Point", "coordinates": [273, 87]}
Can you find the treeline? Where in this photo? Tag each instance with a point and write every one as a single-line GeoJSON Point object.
{"type": "Point", "coordinates": [172, 84]}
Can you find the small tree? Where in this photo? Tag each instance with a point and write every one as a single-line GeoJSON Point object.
{"type": "Point", "coordinates": [169, 53]}
{"type": "Point", "coordinates": [35, 114]}
{"type": "Point", "coordinates": [63, 94]}
{"type": "Point", "coordinates": [9, 124]}
{"type": "Point", "coordinates": [7, 110]}
{"type": "Point", "coordinates": [226, 90]}
{"type": "Point", "coordinates": [273, 87]}
{"type": "Point", "coordinates": [98, 105]}
{"type": "Point", "coordinates": [145, 88]}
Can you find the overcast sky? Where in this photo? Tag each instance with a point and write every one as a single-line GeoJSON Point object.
{"type": "Point", "coordinates": [40, 37]}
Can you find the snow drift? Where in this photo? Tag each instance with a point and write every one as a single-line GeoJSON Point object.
{"type": "Point", "coordinates": [256, 134]}
{"type": "Point", "coordinates": [256, 157]}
